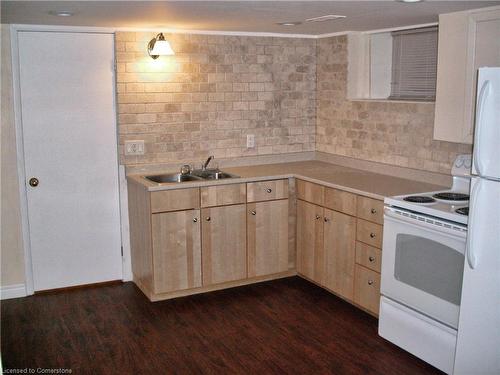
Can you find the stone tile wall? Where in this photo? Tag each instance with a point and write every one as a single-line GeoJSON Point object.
{"type": "Point", "coordinates": [212, 93]}
{"type": "Point", "coordinates": [387, 132]}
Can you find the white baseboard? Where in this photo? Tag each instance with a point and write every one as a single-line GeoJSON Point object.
{"type": "Point", "coordinates": [13, 291]}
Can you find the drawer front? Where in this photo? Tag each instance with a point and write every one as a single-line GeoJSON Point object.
{"type": "Point", "coordinates": [310, 192]}
{"type": "Point", "coordinates": [371, 210]}
{"type": "Point", "coordinates": [368, 256]}
{"type": "Point", "coordinates": [339, 200]}
{"type": "Point", "coordinates": [222, 195]}
{"type": "Point", "coordinates": [267, 190]}
{"type": "Point", "coordinates": [367, 288]}
{"type": "Point", "coordinates": [175, 200]}
{"type": "Point", "coordinates": [369, 233]}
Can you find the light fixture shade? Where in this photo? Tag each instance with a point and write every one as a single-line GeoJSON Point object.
{"type": "Point", "coordinates": [158, 46]}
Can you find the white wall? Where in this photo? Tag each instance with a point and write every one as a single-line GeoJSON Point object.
{"type": "Point", "coordinates": [11, 251]}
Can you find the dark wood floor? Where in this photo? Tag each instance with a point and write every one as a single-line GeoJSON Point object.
{"type": "Point", "coordinates": [284, 326]}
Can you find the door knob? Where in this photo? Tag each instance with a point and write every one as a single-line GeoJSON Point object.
{"type": "Point", "coordinates": [372, 235]}
{"type": "Point", "coordinates": [371, 259]}
{"type": "Point", "coordinates": [269, 190]}
{"type": "Point", "coordinates": [208, 218]}
{"type": "Point", "coordinates": [34, 182]}
{"type": "Point", "coordinates": [318, 217]}
{"type": "Point", "coordinates": [195, 220]}
{"type": "Point", "coordinates": [253, 213]}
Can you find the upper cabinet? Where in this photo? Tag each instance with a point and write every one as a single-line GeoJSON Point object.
{"type": "Point", "coordinates": [467, 41]}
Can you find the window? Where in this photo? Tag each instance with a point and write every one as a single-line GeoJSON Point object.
{"type": "Point", "coordinates": [414, 64]}
{"type": "Point", "coordinates": [399, 65]}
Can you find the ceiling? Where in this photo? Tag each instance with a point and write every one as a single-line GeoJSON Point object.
{"type": "Point", "coordinates": [242, 16]}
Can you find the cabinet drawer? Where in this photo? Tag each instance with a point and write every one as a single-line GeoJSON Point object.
{"type": "Point", "coordinates": [267, 190]}
{"type": "Point", "coordinates": [175, 200]}
{"type": "Point", "coordinates": [310, 192]}
{"type": "Point", "coordinates": [367, 288]}
{"type": "Point", "coordinates": [368, 256]}
{"type": "Point", "coordinates": [371, 210]}
{"type": "Point", "coordinates": [222, 195]}
{"type": "Point", "coordinates": [369, 233]}
{"type": "Point", "coordinates": [339, 200]}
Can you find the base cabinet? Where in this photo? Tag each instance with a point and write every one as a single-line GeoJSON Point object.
{"type": "Point", "coordinates": [367, 289]}
{"type": "Point", "coordinates": [176, 250]}
{"type": "Point", "coordinates": [224, 252]}
{"type": "Point", "coordinates": [267, 237]}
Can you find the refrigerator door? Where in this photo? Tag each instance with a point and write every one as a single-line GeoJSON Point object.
{"type": "Point", "coordinates": [478, 340]}
{"type": "Point", "coordinates": [487, 129]}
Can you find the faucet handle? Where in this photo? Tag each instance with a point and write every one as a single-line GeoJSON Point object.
{"type": "Point", "coordinates": [186, 169]}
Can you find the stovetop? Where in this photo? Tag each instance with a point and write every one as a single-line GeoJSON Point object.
{"type": "Point", "coordinates": [433, 204]}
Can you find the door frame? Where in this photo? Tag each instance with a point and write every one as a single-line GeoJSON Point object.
{"type": "Point", "coordinates": [21, 171]}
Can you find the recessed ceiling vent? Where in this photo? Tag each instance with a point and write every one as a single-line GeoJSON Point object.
{"type": "Point", "coordinates": [328, 17]}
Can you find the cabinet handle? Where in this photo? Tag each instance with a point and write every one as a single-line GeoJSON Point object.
{"type": "Point", "coordinates": [318, 217]}
{"type": "Point", "coordinates": [195, 220]}
{"type": "Point", "coordinates": [372, 235]}
{"type": "Point", "coordinates": [370, 282]}
{"type": "Point", "coordinates": [371, 259]}
{"type": "Point", "coordinates": [253, 213]}
{"type": "Point", "coordinates": [326, 220]}
{"type": "Point", "coordinates": [373, 211]}
{"type": "Point", "coordinates": [269, 190]}
{"type": "Point", "coordinates": [208, 218]}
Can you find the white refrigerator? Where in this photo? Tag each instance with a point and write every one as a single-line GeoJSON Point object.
{"type": "Point", "coordinates": [478, 340]}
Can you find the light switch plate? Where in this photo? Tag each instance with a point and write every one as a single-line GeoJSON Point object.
{"type": "Point", "coordinates": [250, 140]}
{"type": "Point", "coordinates": [135, 147]}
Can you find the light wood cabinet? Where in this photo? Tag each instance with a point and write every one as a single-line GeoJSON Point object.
{"type": "Point", "coordinates": [176, 250]}
{"type": "Point", "coordinates": [367, 289]}
{"type": "Point", "coordinates": [368, 256]}
{"type": "Point", "coordinates": [221, 195]}
{"type": "Point", "coordinates": [267, 190]}
{"type": "Point", "coordinates": [174, 200]}
{"type": "Point", "coordinates": [224, 251]}
{"type": "Point", "coordinates": [339, 200]}
{"type": "Point", "coordinates": [467, 40]}
{"type": "Point", "coordinates": [310, 249]}
{"type": "Point", "coordinates": [339, 243]}
{"type": "Point", "coordinates": [310, 192]}
{"type": "Point", "coordinates": [370, 209]}
{"type": "Point", "coordinates": [267, 237]}
{"type": "Point", "coordinates": [369, 233]}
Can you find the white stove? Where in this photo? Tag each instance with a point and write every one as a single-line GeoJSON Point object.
{"type": "Point", "coordinates": [430, 204]}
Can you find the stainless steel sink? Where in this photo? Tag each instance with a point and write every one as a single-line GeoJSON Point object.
{"type": "Point", "coordinates": [196, 175]}
{"type": "Point", "coordinates": [172, 178]}
{"type": "Point", "coordinates": [213, 174]}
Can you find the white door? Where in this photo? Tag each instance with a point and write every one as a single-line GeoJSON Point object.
{"type": "Point", "coordinates": [70, 146]}
{"type": "Point", "coordinates": [478, 340]}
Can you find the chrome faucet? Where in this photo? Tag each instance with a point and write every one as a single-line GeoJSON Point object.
{"type": "Point", "coordinates": [205, 165]}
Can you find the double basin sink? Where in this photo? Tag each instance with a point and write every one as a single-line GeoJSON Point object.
{"type": "Point", "coordinates": [195, 175]}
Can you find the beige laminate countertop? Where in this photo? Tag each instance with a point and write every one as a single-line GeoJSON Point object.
{"type": "Point", "coordinates": [357, 181]}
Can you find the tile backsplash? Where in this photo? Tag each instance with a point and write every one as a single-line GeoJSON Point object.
{"type": "Point", "coordinates": [387, 132]}
{"type": "Point", "coordinates": [290, 93]}
{"type": "Point", "coordinates": [212, 93]}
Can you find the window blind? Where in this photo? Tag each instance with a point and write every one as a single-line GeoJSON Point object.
{"type": "Point", "coordinates": [414, 64]}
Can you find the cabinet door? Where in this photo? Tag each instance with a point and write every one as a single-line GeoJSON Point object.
{"type": "Point", "coordinates": [340, 252]}
{"type": "Point", "coordinates": [367, 289]}
{"type": "Point", "coordinates": [267, 226]}
{"type": "Point", "coordinates": [310, 252]}
{"type": "Point", "coordinates": [176, 250]}
{"type": "Point", "coordinates": [224, 254]}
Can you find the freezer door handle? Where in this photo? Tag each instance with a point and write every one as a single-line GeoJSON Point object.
{"type": "Point", "coordinates": [481, 101]}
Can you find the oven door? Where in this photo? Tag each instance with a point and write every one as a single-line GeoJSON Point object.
{"type": "Point", "coordinates": [422, 263]}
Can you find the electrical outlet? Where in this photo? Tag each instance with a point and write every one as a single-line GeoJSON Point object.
{"type": "Point", "coordinates": [250, 140]}
{"type": "Point", "coordinates": [134, 147]}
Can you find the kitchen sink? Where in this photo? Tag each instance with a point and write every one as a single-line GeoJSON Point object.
{"type": "Point", "coordinates": [172, 178]}
{"type": "Point", "coordinates": [196, 175]}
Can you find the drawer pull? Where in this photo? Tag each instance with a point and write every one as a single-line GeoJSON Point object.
{"type": "Point", "coordinates": [195, 220]}
{"type": "Point", "coordinates": [373, 211]}
{"type": "Point", "coordinates": [208, 218]}
{"type": "Point", "coordinates": [318, 217]}
{"type": "Point", "coordinates": [370, 282]}
{"type": "Point", "coordinates": [371, 259]}
{"type": "Point", "coordinates": [253, 213]}
{"type": "Point", "coordinates": [269, 190]}
{"type": "Point", "coordinates": [326, 220]}
{"type": "Point", "coordinates": [372, 235]}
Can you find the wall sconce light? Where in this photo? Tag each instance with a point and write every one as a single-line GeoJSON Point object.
{"type": "Point", "coordinates": [158, 46]}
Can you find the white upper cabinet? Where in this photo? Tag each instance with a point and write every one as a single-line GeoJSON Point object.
{"type": "Point", "coordinates": [467, 41]}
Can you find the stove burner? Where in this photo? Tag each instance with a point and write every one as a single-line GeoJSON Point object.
{"type": "Point", "coordinates": [452, 196]}
{"type": "Point", "coordinates": [463, 211]}
{"type": "Point", "coordinates": [419, 199]}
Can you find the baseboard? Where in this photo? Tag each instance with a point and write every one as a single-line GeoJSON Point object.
{"type": "Point", "coordinates": [12, 291]}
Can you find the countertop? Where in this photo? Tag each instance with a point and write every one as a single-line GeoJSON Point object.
{"type": "Point", "coordinates": [373, 185]}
